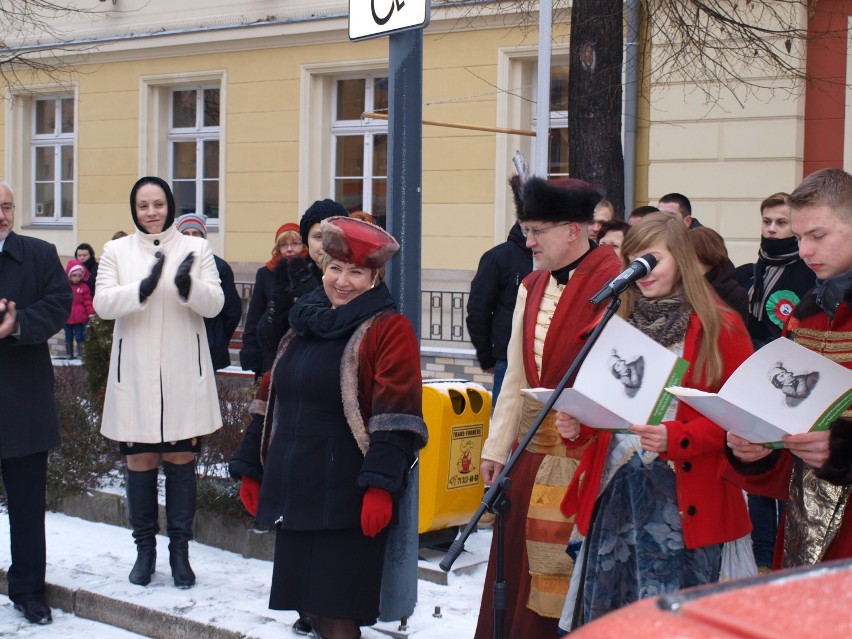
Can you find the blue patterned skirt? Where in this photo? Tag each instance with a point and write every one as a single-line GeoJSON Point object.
{"type": "Point", "coordinates": [635, 547]}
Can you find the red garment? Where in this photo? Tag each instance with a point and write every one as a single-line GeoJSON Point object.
{"type": "Point", "coordinates": [82, 307]}
{"type": "Point", "coordinates": [573, 315]}
{"type": "Point", "coordinates": [775, 482]}
{"type": "Point", "coordinates": [713, 511]}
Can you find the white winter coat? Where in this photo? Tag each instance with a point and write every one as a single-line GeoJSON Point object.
{"type": "Point", "coordinates": [159, 353]}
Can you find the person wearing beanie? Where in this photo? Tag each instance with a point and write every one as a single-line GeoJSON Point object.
{"type": "Point", "coordinates": [221, 328]}
{"type": "Point", "coordinates": [85, 254]}
{"type": "Point", "coordinates": [551, 312]}
{"type": "Point", "coordinates": [81, 308]}
{"type": "Point", "coordinates": [258, 350]}
{"type": "Point", "coordinates": [279, 283]}
{"type": "Point", "coordinates": [345, 410]}
{"type": "Point", "coordinates": [159, 285]}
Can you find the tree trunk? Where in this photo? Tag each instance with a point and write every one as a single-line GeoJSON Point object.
{"type": "Point", "coordinates": [594, 97]}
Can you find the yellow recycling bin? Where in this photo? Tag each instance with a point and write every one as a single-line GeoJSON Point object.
{"type": "Point", "coordinates": [457, 413]}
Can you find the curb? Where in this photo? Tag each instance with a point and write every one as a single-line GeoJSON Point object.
{"type": "Point", "coordinates": [125, 615]}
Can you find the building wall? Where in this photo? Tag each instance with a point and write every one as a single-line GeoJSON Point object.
{"type": "Point", "coordinates": [274, 60]}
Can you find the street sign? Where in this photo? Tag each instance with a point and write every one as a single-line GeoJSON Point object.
{"type": "Point", "coordinates": [375, 18]}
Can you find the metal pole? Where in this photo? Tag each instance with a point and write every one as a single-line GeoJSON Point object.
{"type": "Point", "coordinates": [405, 163]}
{"type": "Point", "coordinates": [542, 105]}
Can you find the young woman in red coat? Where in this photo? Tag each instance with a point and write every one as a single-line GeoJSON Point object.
{"type": "Point", "coordinates": [651, 504]}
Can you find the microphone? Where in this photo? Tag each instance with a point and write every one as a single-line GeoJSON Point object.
{"type": "Point", "coordinates": [638, 269]}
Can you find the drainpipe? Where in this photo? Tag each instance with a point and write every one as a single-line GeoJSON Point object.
{"type": "Point", "coordinates": [631, 99]}
{"type": "Point", "coordinates": [542, 108]}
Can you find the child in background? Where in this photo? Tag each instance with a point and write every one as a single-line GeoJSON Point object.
{"type": "Point", "coordinates": [81, 309]}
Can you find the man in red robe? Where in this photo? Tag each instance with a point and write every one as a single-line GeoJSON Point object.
{"type": "Point", "coordinates": [814, 470]}
{"type": "Point", "coordinates": [551, 313]}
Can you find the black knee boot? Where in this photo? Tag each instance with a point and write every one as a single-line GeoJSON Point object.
{"type": "Point", "coordinates": [180, 511]}
{"type": "Point", "coordinates": [142, 506]}
{"type": "Point", "coordinates": [69, 349]}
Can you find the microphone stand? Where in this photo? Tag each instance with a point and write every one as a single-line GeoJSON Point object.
{"type": "Point", "coordinates": [497, 501]}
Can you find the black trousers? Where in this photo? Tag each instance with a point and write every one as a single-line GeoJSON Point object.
{"type": "Point", "coordinates": [25, 479]}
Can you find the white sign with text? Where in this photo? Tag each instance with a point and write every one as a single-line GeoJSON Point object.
{"type": "Point", "coordinates": [374, 18]}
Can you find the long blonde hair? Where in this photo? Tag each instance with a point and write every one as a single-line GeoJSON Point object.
{"type": "Point", "coordinates": [670, 230]}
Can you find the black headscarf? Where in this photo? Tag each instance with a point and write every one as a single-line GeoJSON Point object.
{"type": "Point", "coordinates": [170, 199]}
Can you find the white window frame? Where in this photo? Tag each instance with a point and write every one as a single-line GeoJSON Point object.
{"type": "Point", "coordinates": [316, 108]}
{"type": "Point", "coordinates": [55, 141]}
{"type": "Point", "coordinates": [154, 145]}
{"type": "Point", "coordinates": [368, 128]}
{"type": "Point", "coordinates": [199, 134]}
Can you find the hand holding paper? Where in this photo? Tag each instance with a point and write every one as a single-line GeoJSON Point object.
{"type": "Point", "coordinates": [746, 451]}
{"type": "Point", "coordinates": [811, 448]}
{"type": "Point", "coordinates": [652, 438]}
{"type": "Point", "coordinates": [568, 427]}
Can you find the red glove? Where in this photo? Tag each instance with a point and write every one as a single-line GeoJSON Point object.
{"type": "Point", "coordinates": [250, 494]}
{"type": "Point", "coordinates": [375, 511]}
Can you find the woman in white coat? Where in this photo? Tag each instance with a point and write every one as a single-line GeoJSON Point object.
{"type": "Point", "coordinates": [161, 395]}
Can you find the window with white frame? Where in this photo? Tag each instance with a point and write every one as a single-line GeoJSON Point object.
{"type": "Point", "coordinates": [557, 154]}
{"type": "Point", "coordinates": [193, 142]}
{"type": "Point", "coordinates": [360, 146]}
{"type": "Point", "coordinates": [53, 140]}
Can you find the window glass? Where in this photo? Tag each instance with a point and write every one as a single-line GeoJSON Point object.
{"type": "Point", "coordinates": [350, 99]}
{"type": "Point", "coordinates": [184, 191]}
{"type": "Point", "coordinates": [68, 115]}
{"type": "Point", "coordinates": [45, 117]}
{"type": "Point", "coordinates": [211, 107]}
{"type": "Point", "coordinates": [559, 88]}
{"type": "Point", "coordinates": [183, 160]}
{"type": "Point", "coordinates": [183, 109]}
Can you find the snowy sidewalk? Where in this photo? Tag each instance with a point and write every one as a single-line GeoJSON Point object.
{"type": "Point", "coordinates": [88, 563]}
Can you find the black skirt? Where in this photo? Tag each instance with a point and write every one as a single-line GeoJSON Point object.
{"type": "Point", "coordinates": [329, 573]}
{"type": "Point", "coordinates": [192, 445]}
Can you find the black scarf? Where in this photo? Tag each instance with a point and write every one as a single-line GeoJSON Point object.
{"type": "Point", "coordinates": [663, 319]}
{"type": "Point", "coordinates": [313, 314]}
{"type": "Point", "coordinates": [774, 255]}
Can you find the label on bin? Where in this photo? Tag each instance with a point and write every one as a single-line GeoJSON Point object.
{"type": "Point", "coordinates": [465, 455]}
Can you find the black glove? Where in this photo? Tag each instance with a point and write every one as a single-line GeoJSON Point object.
{"type": "Point", "coordinates": [301, 278]}
{"type": "Point", "coordinates": [182, 280]}
{"type": "Point", "coordinates": [147, 286]}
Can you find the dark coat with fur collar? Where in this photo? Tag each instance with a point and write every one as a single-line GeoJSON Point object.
{"type": "Point", "coordinates": [381, 390]}
{"type": "Point", "coordinates": [813, 328]}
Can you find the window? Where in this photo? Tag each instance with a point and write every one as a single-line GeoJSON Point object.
{"type": "Point", "coordinates": [360, 147]}
{"type": "Point", "coordinates": [194, 149]}
{"type": "Point", "coordinates": [557, 154]}
{"type": "Point", "coordinates": [53, 158]}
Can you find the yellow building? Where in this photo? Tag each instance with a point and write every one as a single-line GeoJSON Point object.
{"type": "Point", "coordinates": [252, 111]}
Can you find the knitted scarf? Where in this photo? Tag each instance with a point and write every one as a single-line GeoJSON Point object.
{"type": "Point", "coordinates": [313, 314]}
{"type": "Point", "coordinates": [772, 258]}
{"type": "Point", "coordinates": [663, 319]}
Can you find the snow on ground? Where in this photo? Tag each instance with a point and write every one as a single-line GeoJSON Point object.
{"type": "Point", "coordinates": [231, 592]}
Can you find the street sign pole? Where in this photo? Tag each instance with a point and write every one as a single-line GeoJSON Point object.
{"type": "Point", "coordinates": [405, 169]}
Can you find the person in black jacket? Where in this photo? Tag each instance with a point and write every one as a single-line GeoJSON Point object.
{"type": "Point", "coordinates": [35, 300]}
{"type": "Point", "coordinates": [221, 328]}
{"type": "Point", "coordinates": [493, 292]}
{"type": "Point", "coordinates": [779, 278]}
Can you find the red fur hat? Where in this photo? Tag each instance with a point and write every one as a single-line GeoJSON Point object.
{"type": "Point", "coordinates": [561, 200]}
{"type": "Point", "coordinates": [357, 242]}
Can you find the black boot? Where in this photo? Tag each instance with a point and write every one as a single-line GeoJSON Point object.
{"type": "Point", "coordinates": [180, 511]}
{"type": "Point", "coordinates": [69, 349]}
{"type": "Point", "coordinates": [142, 507]}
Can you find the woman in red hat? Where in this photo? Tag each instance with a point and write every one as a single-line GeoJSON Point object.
{"type": "Point", "coordinates": [343, 423]}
